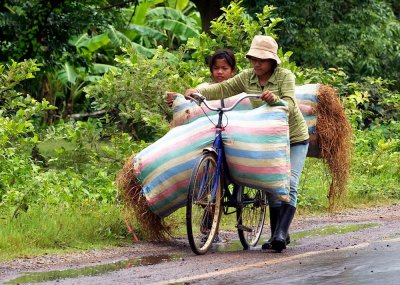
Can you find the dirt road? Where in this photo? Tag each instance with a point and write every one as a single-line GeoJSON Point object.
{"type": "Point", "coordinates": [173, 262]}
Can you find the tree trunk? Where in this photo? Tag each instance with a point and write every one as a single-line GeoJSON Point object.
{"type": "Point", "coordinates": [209, 10]}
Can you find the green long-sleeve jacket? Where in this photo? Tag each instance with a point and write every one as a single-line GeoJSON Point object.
{"type": "Point", "coordinates": [281, 83]}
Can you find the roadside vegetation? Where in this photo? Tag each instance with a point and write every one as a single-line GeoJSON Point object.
{"type": "Point", "coordinates": [72, 111]}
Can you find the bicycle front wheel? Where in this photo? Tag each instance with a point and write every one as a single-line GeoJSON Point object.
{"type": "Point", "coordinates": [203, 209]}
{"type": "Point", "coordinates": [250, 215]}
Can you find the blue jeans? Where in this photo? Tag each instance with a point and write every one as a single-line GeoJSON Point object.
{"type": "Point", "coordinates": [298, 155]}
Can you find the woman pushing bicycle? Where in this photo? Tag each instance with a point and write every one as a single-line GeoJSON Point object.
{"type": "Point", "coordinates": [273, 83]}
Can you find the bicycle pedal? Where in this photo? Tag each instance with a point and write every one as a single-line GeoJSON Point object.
{"type": "Point", "coordinates": [244, 228]}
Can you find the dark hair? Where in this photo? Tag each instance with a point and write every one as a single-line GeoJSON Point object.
{"type": "Point", "coordinates": [226, 54]}
{"type": "Point", "coordinates": [274, 64]}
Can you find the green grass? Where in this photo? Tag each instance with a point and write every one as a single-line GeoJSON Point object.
{"type": "Point", "coordinates": [45, 230]}
{"type": "Point", "coordinates": [314, 186]}
{"type": "Point", "coordinates": [62, 154]}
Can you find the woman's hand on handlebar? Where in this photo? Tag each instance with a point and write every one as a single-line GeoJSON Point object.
{"type": "Point", "coordinates": [189, 92]}
{"type": "Point", "coordinates": [269, 97]}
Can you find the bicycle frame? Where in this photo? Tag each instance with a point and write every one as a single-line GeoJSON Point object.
{"type": "Point", "coordinates": [218, 148]}
{"type": "Point", "coordinates": [210, 193]}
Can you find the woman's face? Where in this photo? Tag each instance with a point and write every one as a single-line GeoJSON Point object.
{"type": "Point", "coordinates": [262, 67]}
{"type": "Point", "coordinates": [221, 70]}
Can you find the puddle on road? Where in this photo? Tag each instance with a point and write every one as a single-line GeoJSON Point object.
{"type": "Point", "coordinates": [332, 230]}
{"type": "Point", "coordinates": [233, 245]}
{"type": "Point", "coordinates": [37, 277]}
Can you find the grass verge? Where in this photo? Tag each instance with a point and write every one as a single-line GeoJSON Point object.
{"type": "Point", "coordinates": [50, 230]}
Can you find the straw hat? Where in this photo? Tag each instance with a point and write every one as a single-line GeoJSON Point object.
{"type": "Point", "coordinates": [264, 47]}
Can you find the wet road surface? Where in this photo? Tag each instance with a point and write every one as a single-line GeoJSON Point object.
{"type": "Point", "coordinates": [350, 248]}
{"type": "Point", "coordinates": [365, 263]}
{"type": "Point", "coordinates": [377, 263]}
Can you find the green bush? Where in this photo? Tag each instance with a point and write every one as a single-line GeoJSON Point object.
{"type": "Point", "coordinates": [18, 134]}
{"type": "Point", "coordinates": [132, 96]}
{"type": "Point", "coordinates": [376, 167]}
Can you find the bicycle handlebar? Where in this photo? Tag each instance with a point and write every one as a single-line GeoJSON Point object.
{"type": "Point", "coordinates": [199, 99]}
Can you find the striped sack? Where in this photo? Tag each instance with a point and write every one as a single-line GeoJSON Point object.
{"type": "Point", "coordinates": [185, 111]}
{"type": "Point", "coordinates": [257, 149]}
{"type": "Point", "coordinates": [307, 98]}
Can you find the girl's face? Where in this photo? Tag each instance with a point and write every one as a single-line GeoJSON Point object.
{"type": "Point", "coordinates": [221, 70]}
{"type": "Point", "coordinates": [262, 67]}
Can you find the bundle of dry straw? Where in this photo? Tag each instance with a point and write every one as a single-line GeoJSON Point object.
{"type": "Point", "coordinates": [334, 136]}
{"type": "Point", "coordinates": [151, 226]}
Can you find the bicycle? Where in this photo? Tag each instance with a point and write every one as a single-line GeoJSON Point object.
{"type": "Point", "coordinates": [211, 192]}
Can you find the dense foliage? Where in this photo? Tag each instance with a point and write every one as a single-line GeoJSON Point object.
{"type": "Point", "coordinates": [362, 37]}
{"type": "Point", "coordinates": [132, 95]}
{"type": "Point", "coordinates": [75, 50]}
{"type": "Point", "coordinates": [18, 133]}
{"type": "Point", "coordinates": [59, 165]}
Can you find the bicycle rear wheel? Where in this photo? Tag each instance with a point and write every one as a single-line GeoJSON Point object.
{"type": "Point", "coordinates": [250, 215]}
{"type": "Point", "coordinates": [203, 209]}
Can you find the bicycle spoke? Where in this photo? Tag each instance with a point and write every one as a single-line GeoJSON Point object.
{"type": "Point", "coordinates": [203, 208]}
{"type": "Point", "coordinates": [251, 216]}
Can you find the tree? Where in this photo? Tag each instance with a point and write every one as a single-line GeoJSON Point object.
{"type": "Point", "coordinates": [359, 36]}
{"type": "Point", "coordinates": [75, 49]}
{"type": "Point", "coordinates": [209, 10]}
{"type": "Point", "coordinates": [44, 30]}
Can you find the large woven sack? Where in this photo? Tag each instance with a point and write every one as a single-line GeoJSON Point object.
{"type": "Point", "coordinates": [257, 149]}
{"type": "Point", "coordinates": [306, 95]}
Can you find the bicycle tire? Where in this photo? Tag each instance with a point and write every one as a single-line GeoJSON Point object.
{"type": "Point", "coordinates": [203, 214]}
{"type": "Point", "coordinates": [250, 215]}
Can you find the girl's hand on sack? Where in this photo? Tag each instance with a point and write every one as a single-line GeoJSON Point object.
{"type": "Point", "coordinates": [269, 97]}
{"type": "Point", "coordinates": [189, 92]}
{"type": "Point", "coordinates": [170, 97]}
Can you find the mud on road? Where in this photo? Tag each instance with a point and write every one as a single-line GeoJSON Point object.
{"type": "Point", "coordinates": [153, 262]}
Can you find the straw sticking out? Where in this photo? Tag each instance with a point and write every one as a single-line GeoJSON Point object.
{"type": "Point", "coordinates": [334, 134]}
{"type": "Point", "coordinates": [149, 225]}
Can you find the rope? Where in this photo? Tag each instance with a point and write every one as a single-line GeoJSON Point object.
{"type": "Point", "coordinates": [128, 223]}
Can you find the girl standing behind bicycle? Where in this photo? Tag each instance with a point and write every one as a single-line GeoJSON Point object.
{"type": "Point", "coordinates": [222, 66]}
{"type": "Point", "coordinates": [273, 83]}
